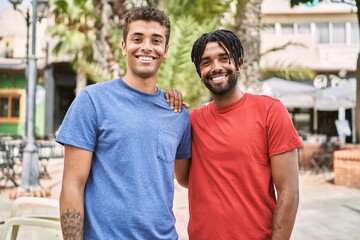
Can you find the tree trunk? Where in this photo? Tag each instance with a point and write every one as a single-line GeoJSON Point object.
{"type": "Point", "coordinates": [357, 106]}
{"type": "Point", "coordinates": [357, 75]}
{"type": "Point", "coordinates": [247, 27]}
{"type": "Point", "coordinates": [111, 14]}
{"type": "Point", "coordinates": [81, 80]}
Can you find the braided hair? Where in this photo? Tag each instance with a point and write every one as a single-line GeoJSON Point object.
{"type": "Point", "coordinates": [226, 39]}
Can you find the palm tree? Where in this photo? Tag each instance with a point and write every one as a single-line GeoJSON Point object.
{"type": "Point", "coordinates": [96, 24]}
{"type": "Point", "coordinates": [189, 19]}
{"type": "Point", "coordinates": [107, 45]}
{"type": "Point", "coordinates": [178, 71]}
{"type": "Point", "coordinates": [247, 27]}
{"type": "Point", "coordinates": [74, 33]}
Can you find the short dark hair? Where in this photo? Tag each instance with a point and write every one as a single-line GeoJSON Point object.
{"type": "Point", "coordinates": [147, 14]}
{"type": "Point", "coordinates": [226, 39]}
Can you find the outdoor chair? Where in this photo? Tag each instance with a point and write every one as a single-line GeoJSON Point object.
{"type": "Point", "coordinates": [44, 157]}
{"type": "Point", "coordinates": [20, 202]}
{"type": "Point", "coordinates": [322, 160]}
{"type": "Point", "coordinates": [16, 222]}
{"type": "Point", "coordinates": [38, 220]}
{"type": "Point", "coordinates": [7, 172]}
{"type": "Point", "coordinates": [48, 149]}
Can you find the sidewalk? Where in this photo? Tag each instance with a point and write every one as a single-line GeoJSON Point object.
{"type": "Point", "coordinates": [326, 211]}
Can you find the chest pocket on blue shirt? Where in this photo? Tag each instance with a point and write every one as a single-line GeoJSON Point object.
{"type": "Point", "coordinates": [166, 146]}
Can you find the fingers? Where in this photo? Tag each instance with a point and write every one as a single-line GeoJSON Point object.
{"type": "Point", "coordinates": [167, 95]}
{"type": "Point", "coordinates": [186, 105]}
{"type": "Point", "coordinates": [175, 99]}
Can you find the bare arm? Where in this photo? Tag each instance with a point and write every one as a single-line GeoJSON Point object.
{"type": "Point", "coordinates": [182, 167]}
{"type": "Point", "coordinates": [77, 164]}
{"type": "Point", "coordinates": [285, 174]}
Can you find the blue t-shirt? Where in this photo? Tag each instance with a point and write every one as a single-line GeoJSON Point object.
{"type": "Point", "coordinates": [135, 138]}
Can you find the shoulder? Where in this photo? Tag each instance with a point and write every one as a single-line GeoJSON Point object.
{"type": "Point", "coordinates": [202, 109]}
{"type": "Point", "coordinates": [200, 113]}
{"type": "Point", "coordinates": [100, 86]}
{"type": "Point", "coordinates": [99, 90]}
{"type": "Point", "coordinates": [263, 102]}
{"type": "Point", "coordinates": [261, 99]}
{"type": "Point", "coordinates": [183, 116]}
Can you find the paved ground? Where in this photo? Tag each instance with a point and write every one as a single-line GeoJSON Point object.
{"type": "Point", "coordinates": [326, 211]}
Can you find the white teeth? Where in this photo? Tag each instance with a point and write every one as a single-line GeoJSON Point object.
{"type": "Point", "coordinates": [218, 78]}
{"type": "Point", "coordinates": [145, 59]}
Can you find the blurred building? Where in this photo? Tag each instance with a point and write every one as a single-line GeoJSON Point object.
{"type": "Point", "coordinates": [324, 38]}
{"type": "Point", "coordinates": [56, 82]}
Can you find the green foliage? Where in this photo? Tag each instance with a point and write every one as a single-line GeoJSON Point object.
{"type": "Point", "coordinates": [309, 2]}
{"type": "Point", "coordinates": [189, 19]}
{"type": "Point", "coordinates": [94, 71]}
{"type": "Point", "coordinates": [289, 72]}
{"type": "Point", "coordinates": [116, 39]}
{"type": "Point", "coordinates": [199, 9]}
{"type": "Point", "coordinates": [178, 71]}
{"type": "Point", "coordinates": [240, 5]}
{"type": "Point", "coordinates": [75, 32]}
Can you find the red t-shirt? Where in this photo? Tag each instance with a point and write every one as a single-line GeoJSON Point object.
{"type": "Point", "coordinates": [231, 193]}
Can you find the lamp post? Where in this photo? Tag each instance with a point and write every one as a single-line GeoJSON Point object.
{"type": "Point", "coordinates": [30, 174]}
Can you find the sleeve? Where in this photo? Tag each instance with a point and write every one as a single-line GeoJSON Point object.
{"type": "Point", "coordinates": [281, 133]}
{"type": "Point", "coordinates": [184, 148]}
{"type": "Point", "coordinates": [79, 126]}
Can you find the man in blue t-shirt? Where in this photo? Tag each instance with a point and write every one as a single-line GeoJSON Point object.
{"type": "Point", "coordinates": [123, 144]}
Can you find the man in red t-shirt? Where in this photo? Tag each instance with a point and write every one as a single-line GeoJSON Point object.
{"type": "Point", "coordinates": [243, 180]}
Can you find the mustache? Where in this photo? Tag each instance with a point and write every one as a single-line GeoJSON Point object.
{"type": "Point", "coordinates": [210, 75]}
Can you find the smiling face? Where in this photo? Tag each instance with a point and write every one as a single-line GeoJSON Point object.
{"type": "Point", "coordinates": [145, 49]}
{"type": "Point", "coordinates": [217, 69]}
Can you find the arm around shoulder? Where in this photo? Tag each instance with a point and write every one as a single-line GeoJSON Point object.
{"type": "Point", "coordinates": [77, 164]}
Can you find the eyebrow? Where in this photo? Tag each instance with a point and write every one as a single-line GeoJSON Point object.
{"type": "Point", "coordinates": [141, 34]}
{"type": "Point", "coordinates": [220, 55]}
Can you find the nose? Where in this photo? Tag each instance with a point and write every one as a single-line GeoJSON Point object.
{"type": "Point", "coordinates": [216, 65]}
{"type": "Point", "coordinates": [146, 46]}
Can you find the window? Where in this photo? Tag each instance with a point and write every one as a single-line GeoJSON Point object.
{"type": "Point", "coordinates": [304, 28]}
{"type": "Point", "coordinates": [339, 33]}
{"type": "Point", "coordinates": [287, 28]}
{"type": "Point", "coordinates": [10, 107]}
{"type": "Point", "coordinates": [354, 33]}
{"type": "Point", "coordinates": [4, 106]}
{"type": "Point", "coordinates": [15, 107]}
{"type": "Point", "coordinates": [322, 33]}
{"type": "Point", "coordinates": [268, 28]}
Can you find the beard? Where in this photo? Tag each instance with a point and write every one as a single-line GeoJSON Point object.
{"type": "Point", "coordinates": [221, 89]}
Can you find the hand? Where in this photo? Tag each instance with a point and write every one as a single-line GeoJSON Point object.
{"type": "Point", "coordinates": [175, 98]}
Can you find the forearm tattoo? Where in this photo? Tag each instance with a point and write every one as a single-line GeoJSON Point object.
{"type": "Point", "coordinates": [72, 225]}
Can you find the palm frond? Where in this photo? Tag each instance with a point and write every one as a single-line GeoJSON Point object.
{"type": "Point", "coordinates": [94, 71]}
{"type": "Point", "coordinates": [178, 71]}
{"type": "Point", "coordinates": [289, 72]}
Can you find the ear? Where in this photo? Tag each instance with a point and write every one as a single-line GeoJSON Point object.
{"type": "Point", "coordinates": [241, 63]}
{"type": "Point", "coordinates": [123, 47]}
{"type": "Point", "coordinates": [166, 51]}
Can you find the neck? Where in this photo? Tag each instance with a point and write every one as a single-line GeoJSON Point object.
{"type": "Point", "coordinates": [145, 85]}
{"type": "Point", "coordinates": [229, 98]}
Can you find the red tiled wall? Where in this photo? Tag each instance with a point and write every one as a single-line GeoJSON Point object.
{"type": "Point", "coordinates": [347, 168]}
